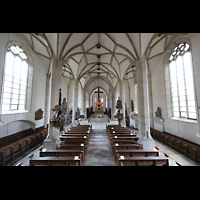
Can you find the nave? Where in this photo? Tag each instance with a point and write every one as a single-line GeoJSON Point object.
{"type": "Point", "coordinates": [99, 151]}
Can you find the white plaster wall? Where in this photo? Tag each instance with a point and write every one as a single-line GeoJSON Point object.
{"type": "Point", "coordinates": [182, 129]}
{"type": "Point", "coordinates": [17, 122]}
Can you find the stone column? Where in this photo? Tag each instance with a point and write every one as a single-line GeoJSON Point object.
{"type": "Point", "coordinates": [143, 106]}
{"type": "Point", "coordinates": [47, 100]}
{"type": "Point", "coordinates": [113, 106]}
{"type": "Point", "coordinates": [55, 83]}
{"type": "Point", "coordinates": [150, 101]}
{"type": "Point", "coordinates": [84, 106]}
{"type": "Point", "coordinates": [75, 99]}
{"type": "Point", "coordinates": [122, 98]}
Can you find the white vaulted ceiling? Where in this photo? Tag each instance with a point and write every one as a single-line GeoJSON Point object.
{"type": "Point", "coordinates": [118, 52]}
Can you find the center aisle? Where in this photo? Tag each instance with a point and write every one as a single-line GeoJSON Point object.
{"type": "Point", "coordinates": [99, 151]}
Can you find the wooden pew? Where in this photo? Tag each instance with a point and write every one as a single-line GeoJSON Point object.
{"type": "Point", "coordinates": [112, 136]}
{"type": "Point", "coordinates": [119, 140]}
{"type": "Point", "coordinates": [179, 164]}
{"type": "Point", "coordinates": [127, 153]}
{"type": "Point", "coordinates": [56, 161]}
{"type": "Point", "coordinates": [121, 133]}
{"type": "Point", "coordinates": [72, 149]}
{"type": "Point", "coordinates": [115, 144]}
{"type": "Point", "coordinates": [78, 146]}
{"type": "Point", "coordinates": [138, 152]}
{"type": "Point", "coordinates": [61, 153]}
{"type": "Point", "coordinates": [75, 134]}
{"type": "Point", "coordinates": [143, 161]}
{"type": "Point", "coordinates": [118, 146]}
{"type": "Point", "coordinates": [188, 148]}
{"type": "Point", "coordinates": [19, 164]}
{"type": "Point", "coordinates": [124, 137]}
{"type": "Point", "coordinates": [74, 140]}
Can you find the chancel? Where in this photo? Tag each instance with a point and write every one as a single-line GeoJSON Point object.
{"type": "Point", "coordinates": [99, 99]}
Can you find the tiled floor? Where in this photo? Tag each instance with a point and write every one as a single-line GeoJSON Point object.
{"type": "Point", "coordinates": [99, 151]}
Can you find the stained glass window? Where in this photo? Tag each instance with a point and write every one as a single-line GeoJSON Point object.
{"type": "Point", "coordinates": [182, 82]}
{"type": "Point", "coordinates": [15, 79]}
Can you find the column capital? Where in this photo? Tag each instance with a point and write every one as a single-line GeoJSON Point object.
{"type": "Point", "coordinates": [140, 61]}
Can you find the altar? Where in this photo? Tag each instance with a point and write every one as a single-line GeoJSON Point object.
{"type": "Point", "coordinates": [99, 106]}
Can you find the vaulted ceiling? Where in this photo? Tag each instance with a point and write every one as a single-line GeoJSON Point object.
{"type": "Point", "coordinates": [109, 55]}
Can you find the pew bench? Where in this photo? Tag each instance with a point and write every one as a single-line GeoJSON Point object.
{"type": "Point", "coordinates": [122, 142]}
{"type": "Point", "coordinates": [133, 140]}
{"type": "Point", "coordinates": [75, 134]}
{"type": "Point", "coordinates": [186, 147]}
{"type": "Point", "coordinates": [61, 153]}
{"type": "Point", "coordinates": [121, 133]}
{"type": "Point", "coordinates": [112, 136]}
{"type": "Point", "coordinates": [118, 146]}
{"type": "Point", "coordinates": [74, 140]}
{"type": "Point", "coordinates": [77, 146]}
{"type": "Point", "coordinates": [143, 161]}
{"type": "Point", "coordinates": [56, 161]}
{"type": "Point", "coordinates": [17, 144]}
{"type": "Point", "coordinates": [81, 134]}
{"type": "Point", "coordinates": [134, 152]}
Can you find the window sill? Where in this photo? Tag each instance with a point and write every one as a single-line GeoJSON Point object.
{"type": "Point", "coordinates": [184, 120]}
{"type": "Point", "coordinates": [14, 112]}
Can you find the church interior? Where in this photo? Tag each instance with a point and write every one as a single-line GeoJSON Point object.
{"type": "Point", "coordinates": [99, 99]}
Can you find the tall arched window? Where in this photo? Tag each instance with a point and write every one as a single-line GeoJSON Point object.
{"type": "Point", "coordinates": [182, 82]}
{"type": "Point", "coordinates": [16, 78]}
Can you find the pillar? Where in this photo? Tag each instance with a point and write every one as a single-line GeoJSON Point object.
{"type": "Point", "coordinates": [122, 98]}
{"type": "Point", "coordinates": [47, 100]}
{"type": "Point", "coordinates": [143, 106]}
{"type": "Point", "coordinates": [75, 99]}
{"type": "Point", "coordinates": [53, 85]}
{"type": "Point", "coordinates": [113, 106]}
{"type": "Point", "coordinates": [84, 106]}
{"type": "Point", "coordinates": [150, 100]}
{"type": "Point", "coordinates": [56, 83]}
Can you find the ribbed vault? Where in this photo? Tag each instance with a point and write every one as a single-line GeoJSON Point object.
{"type": "Point", "coordinates": [111, 56]}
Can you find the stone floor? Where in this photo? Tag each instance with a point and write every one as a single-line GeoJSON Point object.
{"type": "Point", "coordinates": [99, 151]}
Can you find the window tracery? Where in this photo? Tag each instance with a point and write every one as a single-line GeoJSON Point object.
{"type": "Point", "coordinates": [15, 79]}
{"type": "Point", "coordinates": [182, 82]}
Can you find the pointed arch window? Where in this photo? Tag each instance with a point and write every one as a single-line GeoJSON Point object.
{"type": "Point", "coordinates": [17, 81]}
{"type": "Point", "coordinates": [182, 82]}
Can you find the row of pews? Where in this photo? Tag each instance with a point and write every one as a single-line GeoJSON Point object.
{"type": "Point", "coordinates": [72, 149]}
{"type": "Point", "coordinates": [127, 151]}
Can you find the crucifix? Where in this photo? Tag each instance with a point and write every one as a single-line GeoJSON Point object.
{"type": "Point", "coordinates": [98, 94]}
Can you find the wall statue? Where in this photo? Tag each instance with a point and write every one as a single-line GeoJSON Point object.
{"type": "Point", "coordinates": [158, 112]}
{"type": "Point", "coordinates": [119, 107]}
